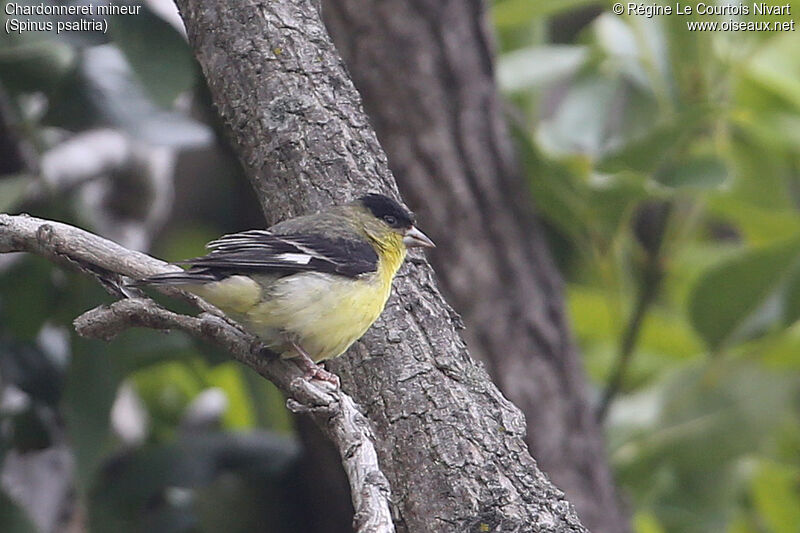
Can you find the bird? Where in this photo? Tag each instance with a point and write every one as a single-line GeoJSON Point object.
{"type": "Point", "coordinates": [310, 286]}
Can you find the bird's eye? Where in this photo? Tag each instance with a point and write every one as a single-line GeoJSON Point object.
{"type": "Point", "coordinates": [390, 219]}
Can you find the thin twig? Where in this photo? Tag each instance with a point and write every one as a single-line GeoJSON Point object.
{"type": "Point", "coordinates": [650, 226]}
{"type": "Point", "coordinates": [645, 298]}
{"type": "Point", "coordinates": [333, 411]}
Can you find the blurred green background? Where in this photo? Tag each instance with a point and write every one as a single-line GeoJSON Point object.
{"type": "Point", "coordinates": [664, 163]}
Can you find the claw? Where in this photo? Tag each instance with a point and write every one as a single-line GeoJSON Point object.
{"type": "Point", "coordinates": [312, 369]}
{"type": "Point", "coordinates": [323, 375]}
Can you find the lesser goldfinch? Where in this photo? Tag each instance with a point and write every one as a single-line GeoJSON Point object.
{"type": "Point", "coordinates": [308, 287]}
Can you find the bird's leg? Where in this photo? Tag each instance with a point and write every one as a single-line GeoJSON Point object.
{"type": "Point", "coordinates": [312, 369]}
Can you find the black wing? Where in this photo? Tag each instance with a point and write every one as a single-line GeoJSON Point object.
{"type": "Point", "coordinates": [262, 250]}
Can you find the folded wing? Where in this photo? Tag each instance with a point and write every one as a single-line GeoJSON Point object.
{"type": "Point", "coordinates": [261, 251]}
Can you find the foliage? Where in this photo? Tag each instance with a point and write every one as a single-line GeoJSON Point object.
{"type": "Point", "coordinates": [616, 118]}
{"type": "Point", "coordinates": [182, 456]}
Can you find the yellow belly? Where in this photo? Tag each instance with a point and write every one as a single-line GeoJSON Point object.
{"type": "Point", "coordinates": [322, 313]}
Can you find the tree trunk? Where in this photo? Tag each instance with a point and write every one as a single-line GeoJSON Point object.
{"type": "Point", "coordinates": [425, 71]}
{"type": "Point", "coordinates": [449, 443]}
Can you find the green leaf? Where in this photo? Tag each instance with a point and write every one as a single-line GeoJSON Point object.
{"type": "Point", "coordinates": [268, 403]}
{"type": "Point", "coordinates": [105, 92]}
{"type": "Point", "coordinates": [12, 518]}
{"type": "Point", "coordinates": [510, 13]}
{"type": "Point", "coordinates": [730, 292]}
{"type": "Point", "coordinates": [761, 175]}
{"type": "Point", "coordinates": [758, 225]}
{"type": "Point", "coordinates": [138, 489]}
{"type": "Point", "coordinates": [27, 295]}
{"type": "Point", "coordinates": [611, 199]}
{"type": "Point", "coordinates": [579, 123]}
{"type": "Point", "coordinates": [35, 65]}
{"type": "Point", "coordinates": [791, 296]}
{"type": "Point", "coordinates": [558, 195]}
{"type": "Point", "coordinates": [596, 115]}
{"type": "Point", "coordinates": [146, 36]}
{"type": "Point", "coordinates": [167, 389]}
{"type": "Point", "coordinates": [537, 66]}
{"type": "Point", "coordinates": [91, 387]}
{"type": "Point", "coordinates": [645, 522]}
{"type": "Point", "coordinates": [648, 151]}
{"type": "Point", "coordinates": [680, 453]}
{"type": "Point", "coordinates": [665, 336]}
{"type": "Point", "coordinates": [122, 101]}
{"type": "Point", "coordinates": [774, 130]}
{"type": "Point", "coordinates": [32, 370]}
{"type": "Point", "coordinates": [12, 190]}
{"type": "Point", "coordinates": [776, 493]}
{"type": "Point", "coordinates": [777, 67]}
{"type": "Point", "coordinates": [781, 351]}
{"type": "Point", "coordinates": [700, 172]}
{"type": "Point", "coordinates": [643, 154]}
{"type": "Point", "coordinates": [634, 47]}
{"type": "Point", "coordinates": [228, 377]}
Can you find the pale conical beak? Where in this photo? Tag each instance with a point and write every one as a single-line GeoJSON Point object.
{"type": "Point", "coordinates": [415, 238]}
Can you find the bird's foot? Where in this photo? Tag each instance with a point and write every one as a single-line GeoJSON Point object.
{"type": "Point", "coordinates": [317, 372]}
{"type": "Point", "coordinates": [312, 369]}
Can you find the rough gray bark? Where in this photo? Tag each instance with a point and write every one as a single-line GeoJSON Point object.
{"type": "Point", "coordinates": [425, 71]}
{"type": "Point", "coordinates": [450, 444]}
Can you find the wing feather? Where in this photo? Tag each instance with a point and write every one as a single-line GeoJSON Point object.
{"type": "Point", "coordinates": [262, 250]}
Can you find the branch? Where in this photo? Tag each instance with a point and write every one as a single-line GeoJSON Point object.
{"type": "Point", "coordinates": [70, 246]}
{"type": "Point", "coordinates": [630, 336]}
{"type": "Point", "coordinates": [333, 411]}
{"type": "Point", "coordinates": [649, 226]}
